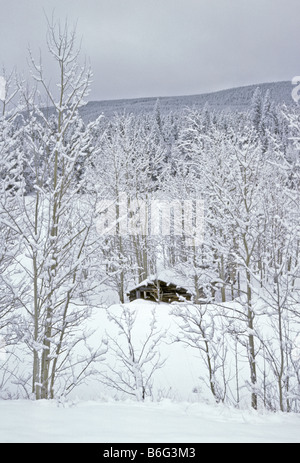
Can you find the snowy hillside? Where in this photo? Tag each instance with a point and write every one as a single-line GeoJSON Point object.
{"type": "Point", "coordinates": [182, 409]}
{"type": "Point", "coordinates": [230, 100]}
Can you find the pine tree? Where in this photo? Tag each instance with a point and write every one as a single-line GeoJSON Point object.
{"type": "Point", "coordinates": [256, 109]}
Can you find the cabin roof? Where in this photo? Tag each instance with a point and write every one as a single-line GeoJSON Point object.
{"type": "Point", "coordinates": [169, 278]}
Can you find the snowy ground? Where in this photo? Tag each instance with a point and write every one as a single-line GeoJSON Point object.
{"type": "Point", "coordinates": [115, 422]}
{"type": "Point", "coordinates": [182, 410]}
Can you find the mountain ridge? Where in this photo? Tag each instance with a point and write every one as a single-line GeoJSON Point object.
{"type": "Point", "coordinates": [236, 99]}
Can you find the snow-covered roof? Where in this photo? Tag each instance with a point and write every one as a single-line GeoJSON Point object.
{"type": "Point", "coordinates": [169, 277]}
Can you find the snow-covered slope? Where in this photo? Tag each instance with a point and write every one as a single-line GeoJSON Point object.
{"type": "Point", "coordinates": [234, 99]}
{"type": "Point", "coordinates": [182, 409]}
{"type": "Point", "coordinates": [115, 422]}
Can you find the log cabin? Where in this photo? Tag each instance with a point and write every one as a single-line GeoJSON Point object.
{"type": "Point", "coordinates": [161, 288]}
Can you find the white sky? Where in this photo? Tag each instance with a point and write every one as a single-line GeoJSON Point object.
{"type": "Point", "coordinates": [140, 48]}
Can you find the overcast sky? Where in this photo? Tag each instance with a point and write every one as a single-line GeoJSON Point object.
{"type": "Point", "coordinates": [140, 48]}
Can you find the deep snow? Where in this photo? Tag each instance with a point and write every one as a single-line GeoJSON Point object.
{"type": "Point", "coordinates": [181, 409]}
{"type": "Point", "coordinates": [132, 422]}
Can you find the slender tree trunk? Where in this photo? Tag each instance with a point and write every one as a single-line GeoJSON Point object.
{"type": "Point", "coordinates": [36, 360]}
{"type": "Point", "coordinates": [252, 360]}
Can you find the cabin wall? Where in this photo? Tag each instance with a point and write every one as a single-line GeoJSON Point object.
{"type": "Point", "coordinates": [161, 292]}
